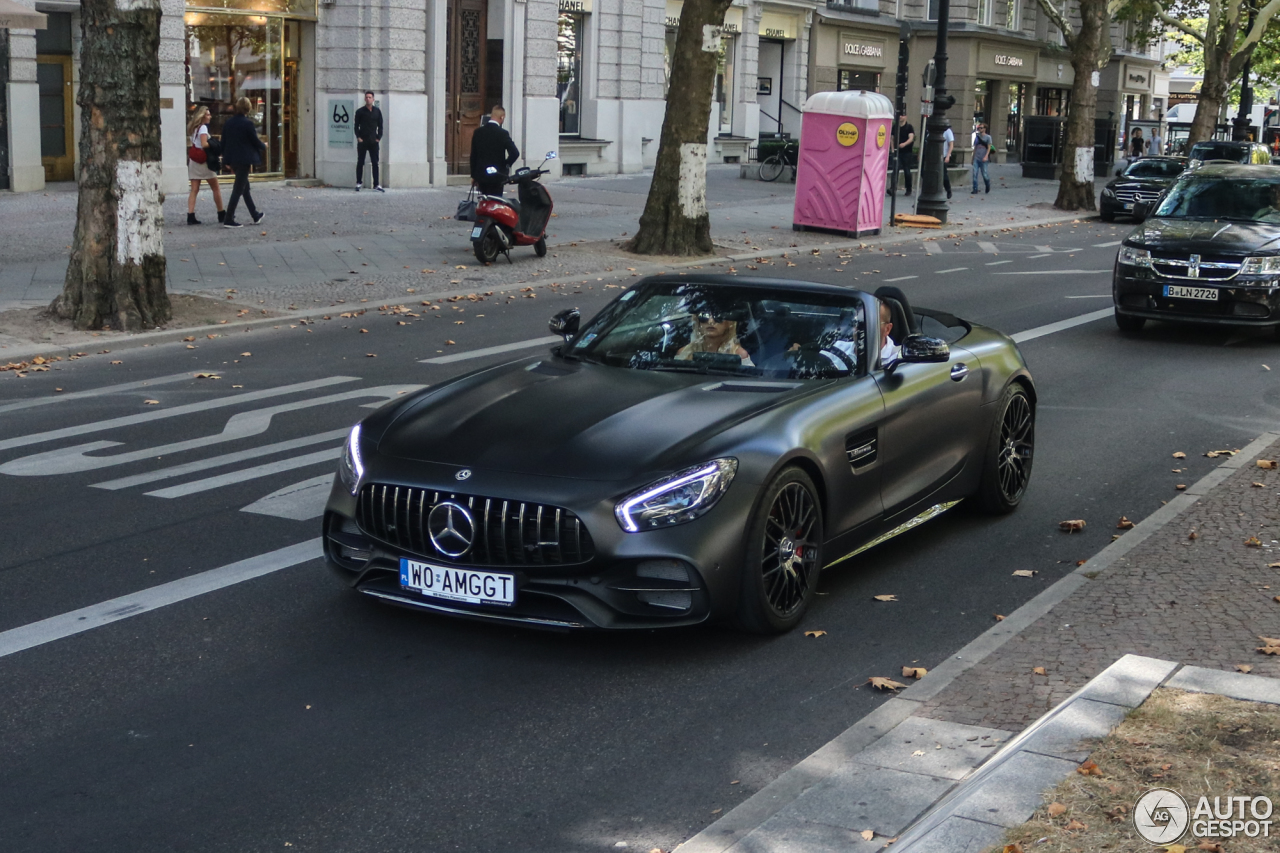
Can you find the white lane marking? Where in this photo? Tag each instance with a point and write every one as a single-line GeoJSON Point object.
{"type": "Point", "coordinates": [1096, 296]}
{"type": "Point", "coordinates": [997, 263]}
{"type": "Point", "coordinates": [245, 474]}
{"type": "Point", "coordinates": [1033, 257]}
{"type": "Point", "coordinates": [932, 248]}
{"type": "Point", "coordinates": [1041, 331]}
{"type": "Point", "coordinates": [218, 461]}
{"type": "Point", "coordinates": [480, 353]}
{"type": "Point", "coordinates": [1053, 272]}
{"type": "Point", "coordinates": [96, 615]}
{"type": "Point", "coordinates": [94, 392]}
{"type": "Point", "coordinates": [299, 502]}
{"type": "Point", "coordinates": [989, 248]}
{"type": "Point", "coordinates": [160, 414]}
{"type": "Point", "coordinates": [1107, 245]}
{"type": "Point", "coordinates": [900, 278]}
{"type": "Point", "coordinates": [68, 460]}
{"type": "Point", "coordinates": [953, 269]}
{"type": "Point", "coordinates": [1048, 250]}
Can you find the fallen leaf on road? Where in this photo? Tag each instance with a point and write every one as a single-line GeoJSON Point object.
{"type": "Point", "coordinates": [207, 376]}
{"type": "Point", "coordinates": [1269, 650]}
{"type": "Point", "coordinates": [1253, 542]}
{"type": "Point", "coordinates": [1193, 535]}
{"type": "Point", "coordinates": [191, 346]}
{"type": "Point", "coordinates": [1072, 525]}
{"type": "Point", "coordinates": [1243, 667]}
{"type": "Point", "coordinates": [1269, 464]}
{"type": "Point", "coordinates": [1258, 486]}
{"type": "Point", "coordinates": [914, 672]}
{"type": "Point", "coordinates": [1181, 487]}
{"type": "Point", "coordinates": [189, 338]}
{"type": "Point", "coordinates": [1270, 641]}
{"type": "Point", "coordinates": [815, 633]}
{"type": "Point", "coordinates": [448, 343]}
{"type": "Point", "coordinates": [1012, 848]}
{"type": "Point", "coordinates": [1124, 524]}
{"type": "Point", "coordinates": [880, 683]}
{"type": "Point", "coordinates": [868, 834]}
{"type": "Point", "coordinates": [885, 597]}
{"type": "Point", "coordinates": [245, 354]}
{"type": "Point", "coordinates": [1024, 573]}
{"type": "Point", "coordinates": [1056, 809]}
{"type": "Point", "coordinates": [371, 355]}
{"type": "Point", "coordinates": [151, 402]}
{"type": "Point", "coordinates": [1038, 670]}
{"type": "Point", "coordinates": [999, 618]}
{"type": "Point", "coordinates": [117, 362]}
{"type": "Point", "coordinates": [917, 753]}
{"type": "Point", "coordinates": [1089, 768]}
{"type": "Point", "coordinates": [1075, 826]}
{"type": "Point", "coordinates": [1179, 455]}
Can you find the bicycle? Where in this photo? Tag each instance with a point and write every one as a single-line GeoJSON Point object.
{"type": "Point", "coordinates": [772, 166]}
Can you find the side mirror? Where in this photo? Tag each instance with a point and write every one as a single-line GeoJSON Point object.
{"type": "Point", "coordinates": [565, 323]}
{"type": "Point", "coordinates": [922, 349]}
{"type": "Point", "coordinates": [551, 155]}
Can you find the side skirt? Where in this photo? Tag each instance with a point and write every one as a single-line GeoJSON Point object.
{"type": "Point", "coordinates": [928, 515]}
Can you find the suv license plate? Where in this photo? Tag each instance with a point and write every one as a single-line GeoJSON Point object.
{"type": "Point", "coordinates": [455, 584]}
{"type": "Point", "coordinates": [1177, 291]}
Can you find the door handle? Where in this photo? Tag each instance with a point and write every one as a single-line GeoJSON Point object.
{"type": "Point", "coordinates": [960, 371]}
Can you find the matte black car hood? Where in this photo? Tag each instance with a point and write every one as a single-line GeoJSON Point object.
{"type": "Point", "coordinates": [1207, 236]}
{"type": "Point", "coordinates": [576, 420]}
{"type": "Point", "coordinates": [1151, 184]}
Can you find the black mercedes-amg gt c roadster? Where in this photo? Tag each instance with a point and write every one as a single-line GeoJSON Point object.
{"type": "Point", "coordinates": [698, 451]}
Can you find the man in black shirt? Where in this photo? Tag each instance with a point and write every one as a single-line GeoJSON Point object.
{"type": "Point", "coordinates": [906, 150]}
{"type": "Point", "coordinates": [368, 127]}
{"type": "Point", "coordinates": [491, 146]}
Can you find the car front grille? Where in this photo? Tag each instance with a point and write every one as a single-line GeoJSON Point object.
{"type": "Point", "coordinates": [1131, 196]}
{"type": "Point", "coordinates": [504, 532]}
{"type": "Point", "coordinates": [1194, 267]}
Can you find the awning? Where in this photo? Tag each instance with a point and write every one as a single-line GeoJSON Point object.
{"type": "Point", "coordinates": [15, 16]}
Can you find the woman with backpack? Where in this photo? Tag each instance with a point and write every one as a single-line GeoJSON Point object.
{"type": "Point", "coordinates": [198, 162]}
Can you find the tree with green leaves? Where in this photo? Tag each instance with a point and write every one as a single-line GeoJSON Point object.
{"type": "Point", "coordinates": [1090, 46]}
{"type": "Point", "coordinates": [675, 219]}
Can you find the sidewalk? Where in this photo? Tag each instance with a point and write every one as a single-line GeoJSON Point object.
{"type": "Point", "coordinates": [320, 245]}
{"type": "Point", "coordinates": [919, 768]}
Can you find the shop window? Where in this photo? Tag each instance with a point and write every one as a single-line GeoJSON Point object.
{"type": "Point", "coordinates": [267, 7]}
{"type": "Point", "coordinates": [569, 72]}
{"type": "Point", "coordinates": [1052, 102]}
{"type": "Point", "coordinates": [724, 85]}
{"type": "Point", "coordinates": [931, 11]}
{"type": "Point", "coordinates": [865, 81]}
{"type": "Point", "coordinates": [984, 12]}
{"type": "Point", "coordinates": [55, 38]}
{"type": "Point", "coordinates": [1013, 15]}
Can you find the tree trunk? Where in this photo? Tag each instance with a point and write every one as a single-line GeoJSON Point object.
{"type": "Point", "coordinates": [1090, 50]}
{"type": "Point", "coordinates": [675, 220]}
{"type": "Point", "coordinates": [1213, 91]}
{"type": "Point", "coordinates": [116, 276]}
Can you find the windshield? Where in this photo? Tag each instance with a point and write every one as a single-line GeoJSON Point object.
{"type": "Point", "coordinates": [1154, 169]}
{"type": "Point", "coordinates": [717, 329]}
{"type": "Point", "coordinates": [1236, 199]}
{"type": "Point", "coordinates": [1218, 151]}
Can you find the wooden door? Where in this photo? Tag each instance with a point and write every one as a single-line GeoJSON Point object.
{"type": "Point", "coordinates": [466, 49]}
{"type": "Point", "coordinates": [57, 129]}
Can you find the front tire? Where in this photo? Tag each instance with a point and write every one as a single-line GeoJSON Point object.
{"type": "Point", "coordinates": [1130, 325]}
{"type": "Point", "coordinates": [1006, 464]}
{"type": "Point", "coordinates": [771, 168]}
{"type": "Point", "coordinates": [488, 246]}
{"type": "Point", "coordinates": [540, 247]}
{"type": "Point", "coordinates": [1106, 214]}
{"type": "Point", "coordinates": [784, 556]}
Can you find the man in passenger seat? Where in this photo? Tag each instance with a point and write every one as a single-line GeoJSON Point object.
{"type": "Point", "coordinates": [889, 351]}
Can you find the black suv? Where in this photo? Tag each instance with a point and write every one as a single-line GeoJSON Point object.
{"type": "Point", "coordinates": [1210, 253]}
{"type": "Point", "coordinates": [1236, 152]}
{"type": "Point", "coordinates": [1141, 181]}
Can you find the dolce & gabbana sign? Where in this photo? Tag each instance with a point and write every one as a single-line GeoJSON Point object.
{"type": "Point", "coordinates": [860, 50]}
{"type": "Point", "coordinates": [998, 60]}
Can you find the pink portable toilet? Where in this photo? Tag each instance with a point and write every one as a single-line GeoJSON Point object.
{"type": "Point", "coordinates": [844, 158]}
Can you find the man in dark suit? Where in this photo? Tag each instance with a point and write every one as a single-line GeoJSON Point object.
{"type": "Point", "coordinates": [241, 150]}
{"type": "Point", "coordinates": [491, 146]}
{"type": "Point", "coordinates": [368, 127]}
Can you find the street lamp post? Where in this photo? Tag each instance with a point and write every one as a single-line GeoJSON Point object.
{"type": "Point", "coordinates": [933, 200]}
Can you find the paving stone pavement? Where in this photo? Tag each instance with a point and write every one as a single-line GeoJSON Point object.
{"type": "Point", "coordinates": [1202, 601]}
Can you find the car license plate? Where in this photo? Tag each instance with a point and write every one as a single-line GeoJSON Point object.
{"type": "Point", "coordinates": [1128, 206]}
{"type": "Point", "coordinates": [456, 584]}
{"type": "Point", "coordinates": [475, 232]}
{"type": "Point", "coordinates": [1177, 291]}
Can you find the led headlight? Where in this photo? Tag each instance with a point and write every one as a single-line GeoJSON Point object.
{"type": "Point", "coordinates": [1108, 192]}
{"type": "Point", "coordinates": [351, 468]}
{"type": "Point", "coordinates": [1261, 266]}
{"type": "Point", "coordinates": [678, 498]}
{"type": "Point", "coordinates": [1134, 257]}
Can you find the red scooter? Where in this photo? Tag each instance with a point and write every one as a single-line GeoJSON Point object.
{"type": "Point", "coordinates": [503, 222]}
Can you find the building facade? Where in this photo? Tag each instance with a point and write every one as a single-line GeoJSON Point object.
{"type": "Point", "coordinates": [585, 78]}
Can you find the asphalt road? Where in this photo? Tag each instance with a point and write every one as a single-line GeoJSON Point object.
{"type": "Point", "coordinates": [285, 711]}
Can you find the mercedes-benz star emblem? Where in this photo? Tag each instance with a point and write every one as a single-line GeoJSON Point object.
{"type": "Point", "coordinates": [463, 474]}
{"type": "Point", "coordinates": [451, 528]}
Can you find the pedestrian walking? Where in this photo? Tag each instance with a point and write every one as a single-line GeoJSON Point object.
{"type": "Point", "coordinates": [241, 150]}
{"type": "Point", "coordinates": [198, 162]}
{"type": "Point", "coordinates": [948, 143]}
{"type": "Point", "coordinates": [368, 126]}
{"type": "Point", "coordinates": [1137, 145]}
{"type": "Point", "coordinates": [1155, 145]}
{"type": "Point", "coordinates": [981, 154]}
{"type": "Point", "coordinates": [905, 152]}
{"type": "Point", "coordinates": [491, 146]}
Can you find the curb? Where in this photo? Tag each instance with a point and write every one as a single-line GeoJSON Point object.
{"type": "Point", "coordinates": [23, 349]}
{"type": "Point", "coordinates": [788, 787]}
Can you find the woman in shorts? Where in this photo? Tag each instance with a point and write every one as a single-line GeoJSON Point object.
{"type": "Point", "coordinates": [198, 131]}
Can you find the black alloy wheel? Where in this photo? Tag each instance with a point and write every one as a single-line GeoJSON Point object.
{"type": "Point", "coordinates": [1128, 324]}
{"type": "Point", "coordinates": [784, 555]}
{"type": "Point", "coordinates": [1006, 469]}
{"type": "Point", "coordinates": [488, 246]}
{"type": "Point", "coordinates": [540, 247]}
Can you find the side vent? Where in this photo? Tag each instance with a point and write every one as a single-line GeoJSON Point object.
{"type": "Point", "coordinates": [860, 448]}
